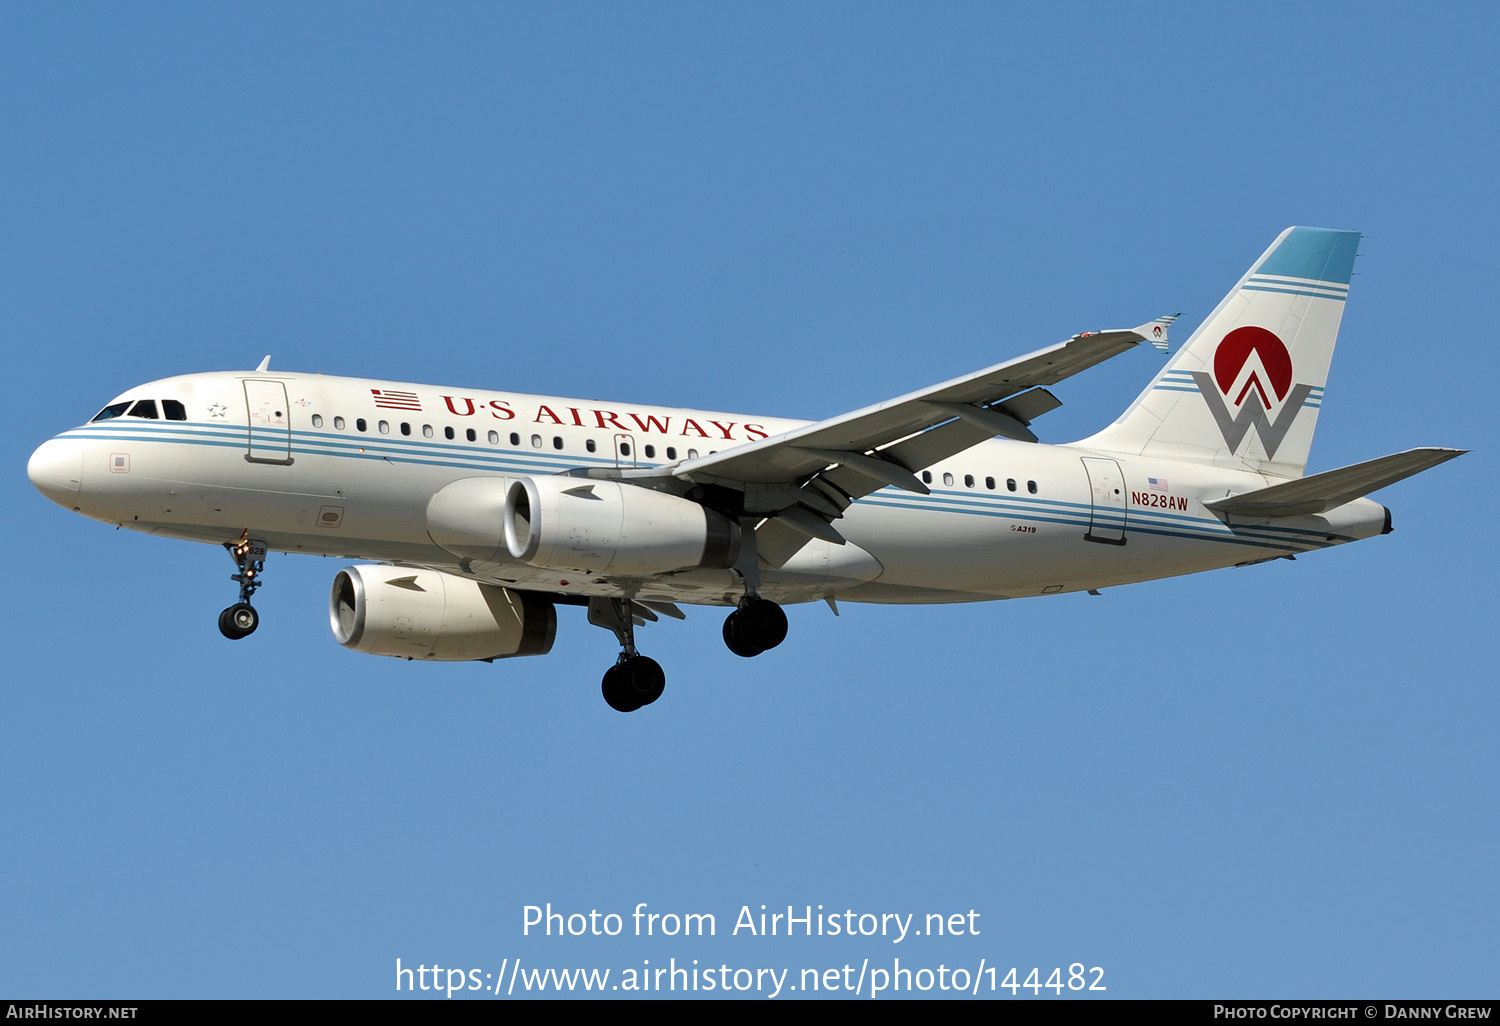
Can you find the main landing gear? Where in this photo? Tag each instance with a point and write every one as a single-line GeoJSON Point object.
{"type": "Point", "coordinates": [757, 626]}
{"type": "Point", "coordinates": [241, 619]}
{"type": "Point", "coordinates": [635, 680]}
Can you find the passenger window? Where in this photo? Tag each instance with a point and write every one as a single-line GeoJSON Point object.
{"type": "Point", "coordinates": [111, 412]}
{"type": "Point", "coordinates": [557, 442]}
{"type": "Point", "coordinates": [448, 434]}
{"type": "Point", "coordinates": [968, 480]}
{"type": "Point", "coordinates": [385, 427]}
{"type": "Point", "coordinates": [494, 437]}
{"type": "Point", "coordinates": [1031, 487]}
{"type": "Point", "coordinates": [1010, 483]}
{"type": "Point", "coordinates": [591, 445]}
{"type": "Point", "coordinates": [360, 424]}
{"type": "Point", "coordinates": [536, 441]}
{"type": "Point", "coordinates": [650, 452]}
{"type": "Point", "coordinates": [927, 477]}
{"type": "Point", "coordinates": [427, 431]}
{"type": "Point", "coordinates": [671, 452]}
{"type": "Point", "coordinates": [317, 420]}
{"type": "Point", "coordinates": [624, 448]}
{"type": "Point", "coordinates": [989, 483]}
{"type": "Point", "coordinates": [948, 479]}
{"type": "Point", "coordinates": [145, 408]}
{"type": "Point", "coordinates": [338, 423]}
{"type": "Point", "coordinates": [515, 438]}
{"type": "Point", "coordinates": [405, 428]}
{"type": "Point", "coordinates": [470, 435]}
{"type": "Point", "coordinates": [173, 410]}
{"type": "Point", "coordinates": [692, 454]}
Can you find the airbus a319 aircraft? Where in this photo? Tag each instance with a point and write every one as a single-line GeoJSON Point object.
{"type": "Point", "coordinates": [487, 510]}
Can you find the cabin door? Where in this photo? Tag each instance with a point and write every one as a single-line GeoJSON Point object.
{"type": "Point", "coordinates": [1107, 492]}
{"type": "Point", "coordinates": [270, 438]}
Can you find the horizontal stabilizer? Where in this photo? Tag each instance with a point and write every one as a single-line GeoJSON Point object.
{"type": "Point", "coordinates": [1322, 492]}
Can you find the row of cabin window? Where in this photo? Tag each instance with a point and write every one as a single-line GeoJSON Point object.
{"type": "Point", "coordinates": [493, 437]}
{"type": "Point", "coordinates": [989, 482]}
{"type": "Point", "coordinates": [173, 410]}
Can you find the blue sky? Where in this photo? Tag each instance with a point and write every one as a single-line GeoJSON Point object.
{"type": "Point", "coordinates": [1266, 782]}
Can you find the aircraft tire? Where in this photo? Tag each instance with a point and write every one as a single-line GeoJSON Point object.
{"type": "Point", "coordinates": [238, 621]}
{"type": "Point", "coordinates": [646, 679]}
{"type": "Point", "coordinates": [762, 624]}
{"type": "Point", "coordinates": [735, 640]}
{"type": "Point", "coordinates": [615, 692]}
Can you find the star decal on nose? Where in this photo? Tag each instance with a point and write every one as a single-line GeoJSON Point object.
{"type": "Point", "coordinates": [217, 411]}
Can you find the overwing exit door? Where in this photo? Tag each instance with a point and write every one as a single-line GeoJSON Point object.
{"type": "Point", "coordinates": [625, 454]}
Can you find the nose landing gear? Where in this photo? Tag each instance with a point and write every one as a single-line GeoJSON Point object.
{"type": "Point", "coordinates": [241, 619]}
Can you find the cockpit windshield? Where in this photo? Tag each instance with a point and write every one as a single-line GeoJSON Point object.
{"type": "Point", "coordinates": [112, 411]}
{"type": "Point", "coordinates": [171, 409]}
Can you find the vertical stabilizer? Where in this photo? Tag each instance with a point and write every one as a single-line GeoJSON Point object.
{"type": "Point", "coordinates": [1244, 391]}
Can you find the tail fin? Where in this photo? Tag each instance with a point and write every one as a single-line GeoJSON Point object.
{"type": "Point", "coordinates": [1243, 392]}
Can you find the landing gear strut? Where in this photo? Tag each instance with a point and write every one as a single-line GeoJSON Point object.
{"type": "Point", "coordinates": [635, 680]}
{"type": "Point", "coordinates": [241, 619]}
{"type": "Point", "coordinates": [758, 625]}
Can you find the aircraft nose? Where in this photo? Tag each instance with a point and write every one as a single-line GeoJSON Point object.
{"type": "Point", "coordinates": [56, 469]}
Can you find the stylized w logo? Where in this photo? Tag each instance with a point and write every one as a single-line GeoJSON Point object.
{"type": "Point", "coordinates": [1235, 426]}
{"type": "Point", "coordinates": [1263, 354]}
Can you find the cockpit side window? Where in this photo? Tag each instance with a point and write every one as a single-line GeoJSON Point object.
{"type": "Point", "coordinates": [112, 411]}
{"type": "Point", "coordinates": [143, 408]}
{"type": "Point", "coordinates": [173, 410]}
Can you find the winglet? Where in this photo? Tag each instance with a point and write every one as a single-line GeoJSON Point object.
{"type": "Point", "coordinates": [265, 365]}
{"type": "Point", "coordinates": [1155, 331]}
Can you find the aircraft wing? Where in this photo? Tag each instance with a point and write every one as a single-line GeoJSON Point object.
{"type": "Point", "coordinates": [978, 398]}
{"type": "Point", "coordinates": [808, 476]}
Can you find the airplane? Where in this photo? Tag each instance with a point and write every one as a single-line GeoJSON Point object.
{"type": "Point", "coordinates": [484, 511]}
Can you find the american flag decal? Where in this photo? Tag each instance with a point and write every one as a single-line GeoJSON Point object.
{"type": "Point", "coordinates": [389, 399]}
{"type": "Point", "coordinates": [1156, 484]}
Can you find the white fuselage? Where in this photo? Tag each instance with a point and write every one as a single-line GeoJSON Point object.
{"type": "Point", "coordinates": [347, 467]}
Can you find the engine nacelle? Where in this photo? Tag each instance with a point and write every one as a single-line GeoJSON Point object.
{"type": "Point", "coordinates": [424, 614]}
{"type": "Point", "coordinates": [587, 526]}
{"type": "Point", "coordinates": [467, 518]}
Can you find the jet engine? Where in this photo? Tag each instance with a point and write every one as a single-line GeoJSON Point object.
{"type": "Point", "coordinates": [424, 614]}
{"type": "Point", "coordinates": [588, 526]}
{"type": "Point", "coordinates": [467, 518]}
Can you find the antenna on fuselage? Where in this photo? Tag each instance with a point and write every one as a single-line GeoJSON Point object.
{"type": "Point", "coordinates": [265, 365]}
